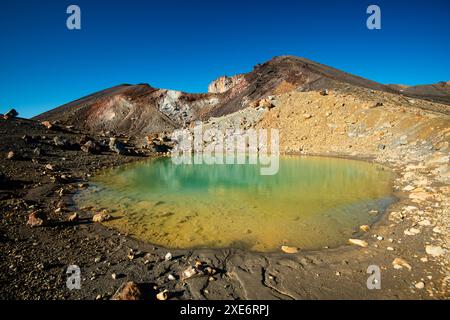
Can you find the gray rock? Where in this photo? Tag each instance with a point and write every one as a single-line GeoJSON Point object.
{"type": "Point", "coordinates": [91, 147]}
{"type": "Point", "coordinates": [117, 146]}
{"type": "Point", "coordinates": [60, 142]}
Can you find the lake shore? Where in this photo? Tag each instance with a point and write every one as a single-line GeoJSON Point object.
{"type": "Point", "coordinates": [408, 243]}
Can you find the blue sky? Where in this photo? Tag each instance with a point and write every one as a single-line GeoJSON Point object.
{"type": "Point", "coordinates": [184, 45]}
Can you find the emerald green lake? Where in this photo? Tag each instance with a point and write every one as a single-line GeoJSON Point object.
{"type": "Point", "coordinates": [312, 202]}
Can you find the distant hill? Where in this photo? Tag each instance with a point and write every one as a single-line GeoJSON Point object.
{"type": "Point", "coordinates": [141, 109]}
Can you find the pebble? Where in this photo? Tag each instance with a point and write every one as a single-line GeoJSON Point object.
{"type": "Point", "coordinates": [171, 277]}
{"type": "Point", "coordinates": [358, 242]}
{"type": "Point", "coordinates": [434, 251]}
{"type": "Point", "coordinates": [288, 249]}
{"type": "Point", "coordinates": [419, 285]}
{"type": "Point", "coordinates": [73, 217]}
{"type": "Point", "coordinates": [101, 217]}
{"type": "Point", "coordinates": [189, 273]}
{"type": "Point", "coordinates": [364, 228]}
{"type": "Point", "coordinates": [400, 263]}
{"type": "Point", "coordinates": [36, 219]}
{"type": "Point", "coordinates": [425, 223]}
{"type": "Point", "coordinates": [411, 232]}
{"type": "Point", "coordinates": [168, 256]}
{"type": "Point", "coordinates": [163, 295]}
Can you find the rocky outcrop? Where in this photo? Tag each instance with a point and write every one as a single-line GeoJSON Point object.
{"type": "Point", "coordinates": [224, 83]}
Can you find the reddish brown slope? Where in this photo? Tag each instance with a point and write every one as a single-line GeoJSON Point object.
{"type": "Point", "coordinates": [140, 109]}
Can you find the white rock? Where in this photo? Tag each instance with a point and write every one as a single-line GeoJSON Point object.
{"type": "Point", "coordinates": [411, 232]}
{"type": "Point", "coordinates": [171, 277]}
{"type": "Point", "coordinates": [419, 285]}
{"type": "Point", "coordinates": [434, 251]}
{"type": "Point", "coordinates": [189, 273]}
{"type": "Point", "coordinates": [425, 223]}
{"type": "Point", "coordinates": [168, 256]}
{"type": "Point", "coordinates": [400, 263]}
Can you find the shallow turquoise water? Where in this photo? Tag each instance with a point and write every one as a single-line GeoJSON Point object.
{"type": "Point", "coordinates": [311, 203]}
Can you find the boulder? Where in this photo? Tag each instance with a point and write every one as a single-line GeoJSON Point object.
{"type": "Point", "coordinates": [47, 124]}
{"type": "Point", "coordinates": [91, 147]}
{"type": "Point", "coordinates": [117, 146]}
{"type": "Point", "coordinates": [60, 142]}
{"type": "Point", "coordinates": [266, 103]}
{"type": "Point", "coordinates": [101, 217]}
{"type": "Point", "coordinates": [36, 219]}
{"type": "Point", "coordinates": [128, 291]}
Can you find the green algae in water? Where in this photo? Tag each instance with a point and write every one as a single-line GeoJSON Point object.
{"type": "Point", "coordinates": [311, 203]}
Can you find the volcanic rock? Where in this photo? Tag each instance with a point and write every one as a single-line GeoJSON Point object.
{"type": "Point", "coordinates": [117, 146]}
{"type": "Point", "coordinates": [128, 291]}
{"type": "Point", "coordinates": [36, 219]}
{"type": "Point", "coordinates": [91, 147]}
{"type": "Point", "coordinates": [60, 142]}
{"type": "Point", "coordinates": [101, 217]}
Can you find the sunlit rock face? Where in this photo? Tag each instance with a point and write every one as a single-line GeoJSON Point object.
{"type": "Point", "coordinates": [224, 83]}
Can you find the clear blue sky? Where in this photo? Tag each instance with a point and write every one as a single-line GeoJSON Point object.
{"type": "Point", "coordinates": [185, 44]}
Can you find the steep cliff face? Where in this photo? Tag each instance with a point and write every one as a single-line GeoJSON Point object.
{"type": "Point", "coordinates": [225, 83]}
